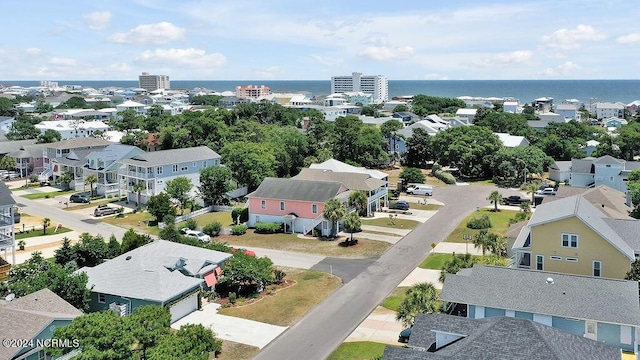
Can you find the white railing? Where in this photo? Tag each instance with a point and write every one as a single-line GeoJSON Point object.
{"type": "Point", "coordinates": [312, 225]}
{"type": "Point", "coordinates": [44, 175]}
{"type": "Point", "coordinates": [190, 215]}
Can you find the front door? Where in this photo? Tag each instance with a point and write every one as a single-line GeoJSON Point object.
{"type": "Point", "coordinates": [591, 330]}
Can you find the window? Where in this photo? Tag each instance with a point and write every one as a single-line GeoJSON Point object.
{"type": "Point", "coordinates": [571, 259]}
{"type": "Point", "coordinates": [553, 257]}
{"type": "Point", "coordinates": [314, 208]}
{"type": "Point", "coordinates": [263, 204]}
{"type": "Point", "coordinates": [102, 298]}
{"type": "Point", "coordinates": [610, 178]}
{"type": "Point", "coordinates": [175, 168]}
{"type": "Point", "coordinates": [159, 170]}
{"type": "Point", "coordinates": [204, 163]}
{"type": "Point", "coordinates": [281, 205]}
{"type": "Point", "coordinates": [570, 240]}
{"type": "Point", "coordinates": [184, 168]}
{"type": "Point", "coordinates": [597, 268]}
{"type": "Point", "coordinates": [539, 262]}
{"type": "Point", "coordinates": [195, 164]}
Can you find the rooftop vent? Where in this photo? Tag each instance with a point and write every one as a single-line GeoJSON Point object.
{"type": "Point", "coordinates": [549, 280]}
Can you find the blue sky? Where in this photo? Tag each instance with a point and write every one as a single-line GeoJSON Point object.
{"type": "Point", "coordinates": [314, 40]}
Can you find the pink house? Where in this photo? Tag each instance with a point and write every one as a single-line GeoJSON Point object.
{"type": "Point", "coordinates": [296, 203]}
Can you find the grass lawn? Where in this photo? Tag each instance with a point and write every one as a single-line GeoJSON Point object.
{"type": "Point", "coordinates": [292, 303]}
{"type": "Point", "coordinates": [38, 232]}
{"type": "Point", "coordinates": [479, 181]}
{"type": "Point", "coordinates": [394, 177]}
{"type": "Point", "coordinates": [47, 195]}
{"type": "Point", "coordinates": [499, 222]}
{"type": "Point", "coordinates": [395, 298]}
{"type": "Point", "coordinates": [236, 351]}
{"type": "Point", "coordinates": [139, 219]}
{"type": "Point", "coordinates": [386, 222]}
{"type": "Point", "coordinates": [436, 261]}
{"type": "Point", "coordinates": [291, 242]}
{"type": "Point", "coordinates": [359, 350]}
{"type": "Point", "coordinates": [431, 207]}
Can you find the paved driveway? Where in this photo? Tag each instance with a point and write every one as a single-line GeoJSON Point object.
{"type": "Point", "coordinates": [231, 328]}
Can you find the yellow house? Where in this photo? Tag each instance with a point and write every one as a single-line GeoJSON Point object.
{"type": "Point", "coordinates": [573, 236]}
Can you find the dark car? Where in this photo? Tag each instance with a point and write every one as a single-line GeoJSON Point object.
{"type": "Point", "coordinates": [399, 205]}
{"type": "Point", "coordinates": [405, 335]}
{"type": "Point", "coordinates": [515, 200]}
{"type": "Point", "coordinates": [79, 198]}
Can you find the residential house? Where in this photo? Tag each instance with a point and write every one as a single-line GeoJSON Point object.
{"type": "Point", "coordinates": [33, 318]}
{"type": "Point", "coordinates": [163, 273]}
{"type": "Point", "coordinates": [70, 129]}
{"type": "Point", "coordinates": [512, 141]}
{"type": "Point", "coordinates": [590, 147]}
{"type": "Point", "coordinates": [613, 122]}
{"type": "Point", "coordinates": [605, 110]}
{"type": "Point", "coordinates": [568, 111]}
{"type": "Point", "coordinates": [511, 107]}
{"type": "Point", "coordinates": [338, 166]}
{"type": "Point", "coordinates": [544, 119]}
{"type": "Point", "coordinates": [61, 149]}
{"type": "Point", "coordinates": [298, 204]}
{"type": "Point", "coordinates": [406, 132]}
{"type": "Point", "coordinates": [406, 116]}
{"type": "Point", "coordinates": [605, 310]}
{"type": "Point", "coordinates": [375, 189]}
{"type": "Point", "coordinates": [543, 104]}
{"type": "Point", "coordinates": [467, 115]}
{"type": "Point", "coordinates": [138, 108]}
{"type": "Point", "coordinates": [154, 169]}
{"type": "Point", "coordinates": [28, 159]}
{"type": "Point", "coordinates": [633, 106]}
{"type": "Point", "coordinates": [441, 336]}
{"type": "Point", "coordinates": [7, 236]}
{"type": "Point", "coordinates": [103, 163]}
{"type": "Point", "coordinates": [576, 235]}
{"type": "Point", "coordinates": [560, 171]}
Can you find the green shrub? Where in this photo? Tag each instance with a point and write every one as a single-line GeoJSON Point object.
{"type": "Point", "coordinates": [233, 297]}
{"type": "Point", "coordinates": [521, 216]}
{"type": "Point", "coordinates": [239, 229]}
{"type": "Point", "coordinates": [436, 167]}
{"type": "Point", "coordinates": [479, 222]}
{"type": "Point", "coordinates": [212, 229]}
{"type": "Point", "coordinates": [268, 228]}
{"type": "Point", "coordinates": [443, 176]}
{"type": "Point", "coordinates": [191, 224]}
{"type": "Point", "coordinates": [242, 212]}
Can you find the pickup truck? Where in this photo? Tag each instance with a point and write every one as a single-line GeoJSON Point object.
{"type": "Point", "coordinates": [514, 200]}
{"type": "Point", "coordinates": [103, 210]}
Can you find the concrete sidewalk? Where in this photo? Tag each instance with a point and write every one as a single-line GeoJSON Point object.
{"type": "Point", "coordinates": [389, 230]}
{"type": "Point", "coordinates": [392, 239]}
{"type": "Point", "coordinates": [232, 328]}
{"type": "Point", "coordinates": [381, 326]}
{"type": "Point", "coordinates": [458, 248]}
{"type": "Point", "coordinates": [420, 275]}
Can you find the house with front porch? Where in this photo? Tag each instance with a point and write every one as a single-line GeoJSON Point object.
{"type": "Point", "coordinates": [605, 310]}
{"type": "Point", "coordinates": [574, 235]}
{"type": "Point", "coordinates": [31, 318]}
{"type": "Point", "coordinates": [7, 235]}
{"type": "Point", "coordinates": [104, 165]}
{"type": "Point", "coordinates": [298, 204]}
{"type": "Point", "coordinates": [61, 149]}
{"type": "Point", "coordinates": [28, 159]}
{"type": "Point", "coordinates": [154, 169]}
{"type": "Point", "coordinates": [162, 273]}
{"type": "Point", "coordinates": [605, 170]}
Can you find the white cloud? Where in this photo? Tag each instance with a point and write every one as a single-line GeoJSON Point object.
{"type": "Point", "coordinates": [384, 53]}
{"type": "Point", "coordinates": [560, 70]}
{"type": "Point", "coordinates": [98, 20]}
{"type": "Point", "coordinates": [190, 57]}
{"type": "Point", "coordinates": [327, 60]}
{"type": "Point", "coordinates": [519, 57]}
{"type": "Point", "coordinates": [568, 39]}
{"type": "Point", "coordinates": [630, 39]}
{"type": "Point", "coordinates": [120, 67]}
{"type": "Point", "coordinates": [34, 51]}
{"type": "Point", "coordinates": [63, 62]}
{"type": "Point", "coordinates": [267, 73]}
{"type": "Point", "coordinates": [160, 33]}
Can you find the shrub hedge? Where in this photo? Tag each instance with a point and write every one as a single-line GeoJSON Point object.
{"type": "Point", "coordinates": [268, 228]}
{"type": "Point", "coordinates": [479, 222]}
{"type": "Point", "coordinates": [239, 229]}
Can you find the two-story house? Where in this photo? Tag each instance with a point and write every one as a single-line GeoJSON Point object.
{"type": "Point", "coordinates": [605, 170]}
{"type": "Point", "coordinates": [298, 204]}
{"type": "Point", "coordinates": [61, 149]}
{"type": "Point", "coordinates": [104, 165]}
{"type": "Point", "coordinates": [605, 310]}
{"type": "Point", "coordinates": [575, 236]}
{"type": "Point", "coordinates": [154, 169]}
{"type": "Point", "coordinates": [7, 236]}
{"type": "Point", "coordinates": [31, 319]}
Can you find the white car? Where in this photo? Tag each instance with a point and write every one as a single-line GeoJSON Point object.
{"type": "Point", "coordinates": [197, 235]}
{"type": "Point", "coordinates": [546, 191]}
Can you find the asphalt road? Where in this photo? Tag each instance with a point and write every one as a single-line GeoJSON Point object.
{"type": "Point", "coordinates": [345, 269]}
{"type": "Point", "coordinates": [326, 326]}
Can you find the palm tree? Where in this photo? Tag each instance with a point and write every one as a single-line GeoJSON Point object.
{"type": "Point", "coordinates": [90, 180]}
{"type": "Point", "coordinates": [481, 241]}
{"type": "Point", "coordinates": [359, 200]}
{"type": "Point", "coordinates": [334, 211]}
{"type": "Point", "coordinates": [525, 207]}
{"type": "Point", "coordinates": [531, 189]}
{"type": "Point", "coordinates": [495, 198]}
{"type": "Point", "coordinates": [137, 188]}
{"type": "Point", "coordinates": [459, 261]}
{"type": "Point", "coordinates": [46, 222]}
{"type": "Point", "coordinates": [420, 298]}
{"type": "Point", "coordinates": [352, 224]}
{"type": "Point", "coordinates": [496, 244]}
{"type": "Point", "coordinates": [65, 179]}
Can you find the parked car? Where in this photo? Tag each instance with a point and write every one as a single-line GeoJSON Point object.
{"type": "Point", "coordinates": [198, 235]}
{"type": "Point", "coordinates": [426, 190]}
{"type": "Point", "coordinates": [245, 251]}
{"type": "Point", "coordinates": [184, 230]}
{"type": "Point", "coordinates": [399, 205]}
{"type": "Point", "coordinates": [79, 198]}
{"type": "Point", "coordinates": [514, 200]}
{"type": "Point", "coordinates": [546, 191]}
{"type": "Point", "coordinates": [103, 210]}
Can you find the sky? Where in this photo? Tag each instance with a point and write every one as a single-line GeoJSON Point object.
{"type": "Point", "coordinates": [314, 40]}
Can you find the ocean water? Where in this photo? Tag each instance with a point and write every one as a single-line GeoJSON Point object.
{"type": "Point", "coordinates": [624, 91]}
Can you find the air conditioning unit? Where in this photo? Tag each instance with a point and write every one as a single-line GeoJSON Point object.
{"type": "Point", "coordinates": [119, 309]}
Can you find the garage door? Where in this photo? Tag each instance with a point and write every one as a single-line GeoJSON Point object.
{"type": "Point", "coordinates": [184, 307]}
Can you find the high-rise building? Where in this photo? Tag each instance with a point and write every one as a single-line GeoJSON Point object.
{"type": "Point", "coordinates": [153, 82]}
{"type": "Point", "coordinates": [252, 91]}
{"type": "Point", "coordinates": [377, 85]}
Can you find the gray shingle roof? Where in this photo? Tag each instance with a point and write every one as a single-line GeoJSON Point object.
{"type": "Point", "coordinates": [628, 230]}
{"type": "Point", "coordinates": [79, 143]}
{"type": "Point", "coordinates": [148, 271]}
{"type": "Point", "coordinates": [500, 338]}
{"type": "Point", "coordinates": [9, 146]}
{"type": "Point", "coordinates": [582, 166]}
{"type": "Point", "coordinates": [25, 317]}
{"type": "Point", "coordinates": [5, 195]}
{"type": "Point", "coordinates": [608, 159]}
{"type": "Point", "coordinates": [611, 202]}
{"type": "Point", "coordinates": [581, 208]}
{"type": "Point", "coordinates": [301, 190]}
{"type": "Point", "coordinates": [562, 165]}
{"type": "Point", "coordinates": [173, 156]}
{"type": "Point", "coordinates": [352, 181]}
{"type": "Point", "coordinates": [572, 296]}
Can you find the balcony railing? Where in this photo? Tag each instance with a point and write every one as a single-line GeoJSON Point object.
{"type": "Point", "coordinates": [141, 175]}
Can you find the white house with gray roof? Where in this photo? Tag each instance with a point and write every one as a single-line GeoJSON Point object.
{"type": "Point", "coordinates": [7, 235]}
{"type": "Point", "coordinates": [605, 310]}
{"type": "Point", "coordinates": [161, 273]}
{"type": "Point", "coordinates": [154, 169]}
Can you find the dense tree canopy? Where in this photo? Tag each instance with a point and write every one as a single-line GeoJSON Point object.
{"type": "Point", "coordinates": [425, 105]}
{"type": "Point", "coordinates": [249, 162]}
{"type": "Point", "coordinates": [470, 148]}
{"type": "Point", "coordinates": [215, 183]}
